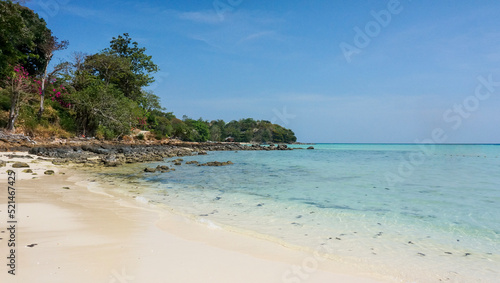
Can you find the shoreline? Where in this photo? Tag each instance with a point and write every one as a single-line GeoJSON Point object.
{"type": "Point", "coordinates": [96, 236]}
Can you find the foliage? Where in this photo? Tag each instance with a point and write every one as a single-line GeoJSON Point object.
{"type": "Point", "coordinates": [23, 39]}
{"type": "Point", "coordinates": [101, 95]}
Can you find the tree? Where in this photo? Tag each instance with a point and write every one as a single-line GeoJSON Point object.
{"type": "Point", "coordinates": [23, 38]}
{"type": "Point", "coordinates": [104, 107]}
{"type": "Point", "coordinates": [18, 84]}
{"type": "Point", "coordinates": [50, 46]}
{"type": "Point", "coordinates": [141, 66]}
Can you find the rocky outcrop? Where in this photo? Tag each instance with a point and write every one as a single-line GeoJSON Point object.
{"type": "Point", "coordinates": [216, 163]}
{"type": "Point", "coordinates": [111, 155]}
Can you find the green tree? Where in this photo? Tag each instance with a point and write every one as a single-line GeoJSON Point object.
{"type": "Point", "coordinates": [141, 66]}
{"type": "Point", "coordinates": [101, 106]}
{"type": "Point", "coordinates": [23, 39]}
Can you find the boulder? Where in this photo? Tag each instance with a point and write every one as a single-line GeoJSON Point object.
{"type": "Point", "coordinates": [49, 172]}
{"type": "Point", "coordinates": [20, 165]}
{"type": "Point", "coordinates": [162, 168]}
{"type": "Point", "coordinates": [111, 161]}
{"type": "Point", "coordinates": [311, 147]}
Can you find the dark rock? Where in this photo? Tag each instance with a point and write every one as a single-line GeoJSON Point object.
{"type": "Point", "coordinates": [311, 147]}
{"type": "Point", "coordinates": [149, 170]}
{"type": "Point", "coordinates": [162, 168]}
{"type": "Point", "coordinates": [202, 153]}
{"type": "Point", "coordinates": [111, 161]}
{"type": "Point", "coordinates": [20, 165]}
{"type": "Point", "coordinates": [192, 162]}
{"type": "Point", "coordinates": [49, 172]}
{"type": "Point", "coordinates": [27, 171]}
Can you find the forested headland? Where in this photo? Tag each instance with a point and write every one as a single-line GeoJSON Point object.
{"type": "Point", "coordinates": [102, 95]}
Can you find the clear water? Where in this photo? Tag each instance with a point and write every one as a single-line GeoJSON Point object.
{"type": "Point", "coordinates": [412, 212]}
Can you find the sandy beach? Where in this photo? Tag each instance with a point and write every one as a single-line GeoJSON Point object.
{"type": "Point", "coordinates": [68, 233]}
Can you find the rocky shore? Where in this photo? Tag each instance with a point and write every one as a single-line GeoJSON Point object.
{"type": "Point", "coordinates": [115, 154]}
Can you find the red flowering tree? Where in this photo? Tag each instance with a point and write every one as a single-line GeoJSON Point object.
{"type": "Point", "coordinates": [19, 84]}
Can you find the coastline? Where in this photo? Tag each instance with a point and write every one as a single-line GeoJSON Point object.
{"type": "Point", "coordinates": [92, 236]}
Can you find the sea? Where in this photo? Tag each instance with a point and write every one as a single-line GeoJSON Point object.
{"type": "Point", "coordinates": [409, 212]}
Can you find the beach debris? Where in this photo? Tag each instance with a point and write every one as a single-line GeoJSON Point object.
{"type": "Point", "coordinates": [467, 254]}
{"type": "Point", "coordinates": [448, 253]}
{"type": "Point", "coordinates": [31, 245]}
{"type": "Point", "coordinates": [65, 188]}
{"type": "Point", "coordinates": [421, 254]}
{"type": "Point", "coordinates": [20, 165]}
{"type": "Point", "coordinates": [27, 171]}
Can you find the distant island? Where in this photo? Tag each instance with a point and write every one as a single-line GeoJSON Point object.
{"type": "Point", "coordinates": [100, 95]}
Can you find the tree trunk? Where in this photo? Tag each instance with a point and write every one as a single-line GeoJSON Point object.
{"type": "Point", "coordinates": [42, 93]}
{"type": "Point", "coordinates": [13, 111]}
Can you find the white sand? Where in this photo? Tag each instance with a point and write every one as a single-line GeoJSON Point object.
{"type": "Point", "coordinates": [82, 236]}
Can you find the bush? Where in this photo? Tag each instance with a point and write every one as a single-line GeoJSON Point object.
{"type": "Point", "coordinates": [104, 133]}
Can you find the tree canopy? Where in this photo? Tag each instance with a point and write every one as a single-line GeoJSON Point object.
{"type": "Point", "coordinates": [103, 94]}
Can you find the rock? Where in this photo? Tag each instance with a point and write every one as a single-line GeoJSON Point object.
{"type": "Point", "coordinates": [27, 171]}
{"type": "Point", "coordinates": [149, 170]}
{"type": "Point", "coordinates": [111, 161]}
{"type": "Point", "coordinates": [3, 163]}
{"type": "Point", "coordinates": [216, 163]}
{"type": "Point", "coordinates": [49, 172]}
{"type": "Point", "coordinates": [20, 165]}
{"type": "Point", "coordinates": [192, 162]}
{"type": "Point", "coordinates": [60, 161]}
{"type": "Point", "coordinates": [177, 163]}
{"type": "Point", "coordinates": [202, 153]}
{"type": "Point", "coordinates": [162, 168]}
{"type": "Point", "coordinates": [311, 147]}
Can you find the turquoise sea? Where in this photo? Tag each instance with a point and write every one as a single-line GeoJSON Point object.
{"type": "Point", "coordinates": [415, 213]}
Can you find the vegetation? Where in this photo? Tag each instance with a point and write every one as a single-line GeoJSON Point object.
{"type": "Point", "coordinates": [102, 95]}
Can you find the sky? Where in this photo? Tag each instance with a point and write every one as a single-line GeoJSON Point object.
{"type": "Point", "coordinates": [364, 71]}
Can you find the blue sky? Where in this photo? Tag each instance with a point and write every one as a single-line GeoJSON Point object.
{"type": "Point", "coordinates": [414, 69]}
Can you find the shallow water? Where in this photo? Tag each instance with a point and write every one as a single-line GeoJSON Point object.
{"type": "Point", "coordinates": [414, 212]}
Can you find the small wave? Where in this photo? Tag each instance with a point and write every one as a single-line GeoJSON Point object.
{"type": "Point", "coordinates": [209, 224]}
{"type": "Point", "coordinates": [141, 199]}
